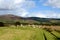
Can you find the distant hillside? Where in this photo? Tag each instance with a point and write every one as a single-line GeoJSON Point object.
{"type": "Point", "coordinates": [9, 18]}
{"type": "Point", "coordinates": [13, 18]}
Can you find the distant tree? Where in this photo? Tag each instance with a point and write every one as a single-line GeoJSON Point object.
{"type": "Point", "coordinates": [1, 24]}
{"type": "Point", "coordinates": [17, 23]}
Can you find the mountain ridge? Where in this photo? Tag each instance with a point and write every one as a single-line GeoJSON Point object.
{"type": "Point", "coordinates": [13, 18]}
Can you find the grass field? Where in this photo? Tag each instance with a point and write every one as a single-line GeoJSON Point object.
{"type": "Point", "coordinates": [27, 33]}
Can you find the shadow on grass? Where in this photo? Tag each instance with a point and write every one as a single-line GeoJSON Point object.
{"type": "Point", "coordinates": [55, 36]}
{"type": "Point", "coordinates": [44, 36]}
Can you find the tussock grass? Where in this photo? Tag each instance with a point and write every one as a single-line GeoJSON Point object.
{"type": "Point", "coordinates": [24, 33]}
{"type": "Point", "coordinates": [20, 33]}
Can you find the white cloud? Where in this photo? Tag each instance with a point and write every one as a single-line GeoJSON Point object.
{"type": "Point", "coordinates": [18, 1]}
{"type": "Point", "coordinates": [28, 4]}
{"type": "Point", "coordinates": [52, 3]}
{"type": "Point", "coordinates": [22, 12]}
{"type": "Point", "coordinates": [20, 6]}
{"type": "Point", "coordinates": [10, 4]}
{"type": "Point", "coordinates": [46, 14]}
{"type": "Point", "coordinates": [6, 4]}
{"type": "Point", "coordinates": [52, 14]}
{"type": "Point", "coordinates": [39, 14]}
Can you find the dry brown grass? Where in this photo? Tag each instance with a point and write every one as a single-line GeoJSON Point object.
{"type": "Point", "coordinates": [52, 27]}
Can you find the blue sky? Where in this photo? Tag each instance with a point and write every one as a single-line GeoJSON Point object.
{"type": "Point", "coordinates": [28, 8]}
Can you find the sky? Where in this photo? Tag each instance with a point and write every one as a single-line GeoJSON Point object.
{"type": "Point", "coordinates": [31, 8]}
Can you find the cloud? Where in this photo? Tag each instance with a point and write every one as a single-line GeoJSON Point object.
{"type": "Point", "coordinates": [10, 4]}
{"type": "Point", "coordinates": [21, 7]}
{"type": "Point", "coordinates": [18, 7]}
{"type": "Point", "coordinates": [37, 14]}
{"type": "Point", "coordinates": [22, 12]}
{"type": "Point", "coordinates": [18, 1]}
{"type": "Point", "coordinates": [52, 3]}
{"type": "Point", "coordinates": [45, 14]}
{"type": "Point", "coordinates": [52, 14]}
{"type": "Point", "coordinates": [6, 4]}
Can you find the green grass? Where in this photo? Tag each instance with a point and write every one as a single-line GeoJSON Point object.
{"type": "Point", "coordinates": [39, 34]}
{"type": "Point", "coordinates": [27, 33]}
{"type": "Point", "coordinates": [24, 33]}
{"type": "Point", "coordinates": [56, 34]}
{"type": "Point", "coordinates": [49, 36]}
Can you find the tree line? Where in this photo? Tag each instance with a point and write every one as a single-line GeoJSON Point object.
{"type": "Point", "coordinates": [18, 23]}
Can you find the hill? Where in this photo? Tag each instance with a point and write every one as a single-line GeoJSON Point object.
{"type": "Point", "coordinates": [13, 18]}
{"type": "Point", "coordinates": [9, 18]}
